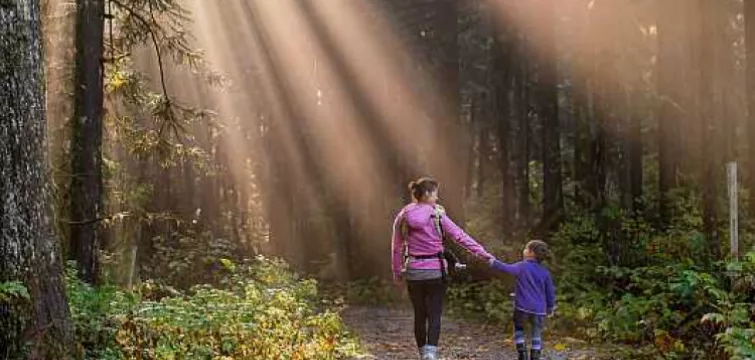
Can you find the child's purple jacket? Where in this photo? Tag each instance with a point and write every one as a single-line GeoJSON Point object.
{"type": "Point", "coordinates": [423, 239]}
{"type": "Point", "coordinates": [534, 293]}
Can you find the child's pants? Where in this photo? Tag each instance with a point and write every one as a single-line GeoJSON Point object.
{"type": "Point", "coordinates": [536, 329]}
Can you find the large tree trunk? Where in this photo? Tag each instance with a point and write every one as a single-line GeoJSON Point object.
{"type": "Point", "coordinates": [582, 141]}
{"type": "Point", "coordinates": [709, 135]}
{"type": "Point", "coordinates": [85, 191]}
{"type": "Point", "coordinates": [553, 201]}
{"type": "Point", "coordinates": [670, 112]}
{"type": "Point", "coordinates": [522, 100]}
{"type": "Point", "coordinates": [749, 11]}
{"type": "Point", "coordinates": [28, 246]}
{"type": "Point", "coordinates": [483, 148]}
{"type": "Point", "coordinates": [634, 155]}
{"type": "Point", "coordinates": [502, 82]}
{"type": "Point", "coordinates": [451, 169]}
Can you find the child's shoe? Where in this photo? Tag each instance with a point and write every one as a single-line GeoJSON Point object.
{"type": "Point", "coordinates": [521, 349]}
{"type": "Point", "coordinates": [535, 355]}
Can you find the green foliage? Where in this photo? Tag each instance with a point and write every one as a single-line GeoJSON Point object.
{"type": "Point", "coordinates": [261, 311]}
{"type": "Point", "coordinates": [621, 280]}
{"type": "Point", "coordinates": [190, 257]}
{"type": "Point", "coordinates": [653, 290]}
{"type": "Point", "coordinates": [371, 291]}
{"type": "Point", "coordinates": [681, 310]}
{"type": "Point", "coordinates": [734, 313]}
{"type": "Point", "coordinates": [15, 300]}
{"type": "Point", "coordinates": [489, 299]}
{"type": "Point", "coordinates": [13, 290]}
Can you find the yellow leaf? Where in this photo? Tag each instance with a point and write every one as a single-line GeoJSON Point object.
{"type": "Point", "coordinates": [559, 347]}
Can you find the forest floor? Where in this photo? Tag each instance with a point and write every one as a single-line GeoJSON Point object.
{"type": "Point", "coordinates": [386, 334]}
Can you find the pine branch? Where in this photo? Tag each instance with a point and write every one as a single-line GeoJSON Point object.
{"type": "Point", "coordinates": [153, 36]}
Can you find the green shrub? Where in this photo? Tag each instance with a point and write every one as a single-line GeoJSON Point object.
{"type": "Point", "coordinates": [261, 311]}
{"type": "Point", "coordinates": [371, 291]}
{"type": "Point", "coordinates": [619, 279]}
{"type": "Point", "coordinates": [490, 299]}
{"type": "Point", "coordinates": [190, 257]}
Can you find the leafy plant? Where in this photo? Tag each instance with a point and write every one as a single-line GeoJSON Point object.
{"type": "Point", "coordinates": [13, 289]}
{"type": "Point", "coordinates": [261, 310]}
{"type": "Point", "coordinates": [371, 291]}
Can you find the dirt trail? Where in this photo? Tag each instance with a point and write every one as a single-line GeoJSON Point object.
{"type": "Point", "coordinates": [386, 333]}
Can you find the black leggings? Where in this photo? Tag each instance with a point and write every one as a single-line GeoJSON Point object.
{"type": "Point", "coordinates": [427, 300]}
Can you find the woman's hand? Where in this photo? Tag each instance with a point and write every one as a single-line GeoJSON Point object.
{"type": "Point", "coordinates": [398, 280]}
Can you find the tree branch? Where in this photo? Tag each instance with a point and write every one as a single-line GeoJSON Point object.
{"type": "Point", "coordinates": [153, 35]}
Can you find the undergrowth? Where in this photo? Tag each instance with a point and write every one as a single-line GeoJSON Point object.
{"type": "Point", "coordinates": [258, 310]}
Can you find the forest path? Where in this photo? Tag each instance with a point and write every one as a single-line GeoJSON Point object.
{"type": "Point", "coordinates": [386, 334]}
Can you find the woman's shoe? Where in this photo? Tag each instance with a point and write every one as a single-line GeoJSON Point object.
{"type": "Point", "coordinates": [422, 352]}
{"type": "Point", "coordinates": [431, 352]}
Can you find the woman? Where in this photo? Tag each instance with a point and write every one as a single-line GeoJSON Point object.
{"type": "Point", "coordinates": [418, 258]}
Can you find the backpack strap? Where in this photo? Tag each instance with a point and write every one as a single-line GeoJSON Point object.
{"type": "Point", "coordinates": [445, 255]}
{"type": "Point", "coordinates": [438, 213]}
{"type": "Point", "coordinates": [403, 229]}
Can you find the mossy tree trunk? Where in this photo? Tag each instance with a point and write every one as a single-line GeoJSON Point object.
{"type": "Point", "coordinates": [29, 248]}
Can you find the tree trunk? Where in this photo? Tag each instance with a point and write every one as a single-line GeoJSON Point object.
{"type": "Point", "coordinates": [553, 201]}
{"type": "Point", "coordinates": [473, 148]}
{"type": "Point", "coordinates": [582, 140]}
{"type": "Point", "coordinates": [451, 170]}
{"type": "Point", "coordinates": [670, 111]}
{"type": "Point", "coordinates": [502, 82]}
{"type": "Point", "coordinates": [709, 134]}
{"type": "Point", "coordinates": [634, 154]}
{"type": "Point", "coordinates": [85, 191]}
{"type": "Point", "coordinates": [28, 247]}
{"type": "Point", "coordinates": [522, 98]}
{"type": "Point", "coordinates": [749, 11]}
{"type": "Point", "coordinates": [483, 149]}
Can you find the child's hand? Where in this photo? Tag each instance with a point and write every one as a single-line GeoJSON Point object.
{"type": "Point", "coordinates": [491, 260]}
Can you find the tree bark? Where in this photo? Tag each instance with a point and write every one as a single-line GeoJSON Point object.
{"type": "Point", "coordinates": [502, 83]}
{"type": "Point", "coordinates": [669, 78]}
{"type": "Point", "coordinates": [709, 136]}
{"type": "Point", "coordinates": [749, 12]}
{"type": "Point", "coordinates": [28, 245]}
{"type": "Point", "coordinates": [522, 99]}
{"type": "Point", "coordinates": [483, 149]}
{"type": "Point", "coordinates": [634, 154]}
{"type": "Point", "coordinates": [451, 170]}
{"type": "Point", "coordinates": [582, 140]}
{"type": "Point", "coordinates": [553, 201]}
{"type": "Point", "coordinates": [85, 191]}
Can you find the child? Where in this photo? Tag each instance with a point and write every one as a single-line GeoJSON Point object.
{"type": "Point", "coordinates": [534, 295]}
